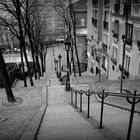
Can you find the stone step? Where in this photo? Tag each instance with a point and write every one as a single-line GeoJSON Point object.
{"type": "Point", "coordinates": [57, 95]}
{"type": "Point", "coordinates": [64, 123]}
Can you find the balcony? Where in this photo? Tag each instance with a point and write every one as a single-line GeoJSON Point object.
{"type": "Point", "coordinates": [135, 10]}
{"type": "Point", "coordinates": [129, 42]}
{"type": "Point", "coordinates": [105, 25]}
{"type": "Point", "coordinates": [103, 66]}
{"type": "Point", "coordinates": [116, 36]}
{"type": "Point", "coordinates": [125, 71]}
{"type": "Point", "coordinates": [94, 22]}
{"type": "Point", "coordinates": [97, 59]}
{"type": "Point", "coordinates": [116, 8]}
{"type": "Point", "coordinates": [104, 46]}
{"type": "Point", "coordinates": [114, 61]}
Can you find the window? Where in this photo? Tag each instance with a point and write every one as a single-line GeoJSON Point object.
{"type": "Point", "coordinates": [95, 14]}
{"type": "Point", "coordinates": [95, 17]}
{"type": "Point", "coordinates": [116, 29]}
{"type": "Point", "coordinates": [82, 22]}
{"type": "Point", "coordinates": [106, 19]}
{"type": "Point", "coordinates": [129, 34]}
{"type": "Point", "coordinates": [92, 51]}
{"type": "Point", "coordinates": [136, 1]}
{"type": "Point", "coordinates": [103, 63]}
{"type": "Point", "coordinates": [105, 39]}
{"type": "Point", "coordinates": [114, 55]}
{"type": "Point", "coordinates": [106, 16]}
{"type": "Point", "coordinates": [95, 3]}
{"type": "Point", "coordinates": [126, 62]}
{"type": "Point", "coordinates": [106, 3]}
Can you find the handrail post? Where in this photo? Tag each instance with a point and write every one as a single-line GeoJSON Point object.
{"type": "Point", "coordinates": [102, 107]}
{"type": "Point", "coordinates": [76, 99]}
{"type": "Point", "coordinates": [133, 102]}
{"type": "Point", "coordinates": [103, 96]}
{"type": "Point", "coordinates": [81, 102]}
{"type": "Point", "coordinates": [71, 96]}
{"type": "Point", "coordinates": [88, 104]}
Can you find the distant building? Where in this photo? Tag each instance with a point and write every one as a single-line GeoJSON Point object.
{"type": "Point", "coordinates": [80, 9]}
{"type": "Point", "coordinates": [54, 22]}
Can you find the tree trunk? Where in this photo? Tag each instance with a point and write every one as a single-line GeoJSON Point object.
{"type": "Point", "coordinates": [42, 64]}
{"type": "Point", "coordinates": [9, 93]}
{"type": "Point", "coordinates": [32, 52]}
{"type": "Point", "coordinates": [30, 39]}
{"type": "Point", "coordinates": [74, 32]}
{"type": "Point", "coordinates": [27, 63]}
{"type": "Point", "coordinates": [22, 41]}
{"type": "Point", "coordinates": [72, 59]}
{"type": "Point", "coordinates": [22, 65]}
{"type": "Point", "coordinates": [72, 14]}
{"type": "Point", "coordinates": [38, 66]}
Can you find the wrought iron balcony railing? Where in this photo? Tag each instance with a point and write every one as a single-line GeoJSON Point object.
{"type": "Point", "coordinates": [104, 46]}
{"type": "Point", "coordinates": [114, 61]}
{"type": "Point", "coordinates": [116, 8]}
{"type": "Point", "coordinates": [94, 22]}
{"type": "Point", "coordinates": [105, 25]}
{"type": "Point", "coordinates": [135, 10]}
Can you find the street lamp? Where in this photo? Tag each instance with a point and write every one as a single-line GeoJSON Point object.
{"type": "Point", "coordinates": [56, 64]}
{"type": "Point", "coordinates": [67, 48]}
{"type": "Point", "coordinates": [122, 67]}
{"type": "Point", "coordinates": [99, 56]}
{"type": "Point", "coordinates": [59, 59]}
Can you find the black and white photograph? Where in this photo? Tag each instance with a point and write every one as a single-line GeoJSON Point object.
{"type": "Point", "coordinates": [69, 69]}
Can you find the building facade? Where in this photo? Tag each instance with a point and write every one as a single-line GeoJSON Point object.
{"type": "Point", "coordinates": [106, 27]}
{"type": "Point", "coordinates": [80, 9]}
{"type": "Point", "coordinates": [98, 36]}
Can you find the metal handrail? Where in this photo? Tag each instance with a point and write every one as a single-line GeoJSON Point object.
{"type": "Point", "coordinates": [118, 94]}
{"type": "Point", "coordinates": [133, 99]}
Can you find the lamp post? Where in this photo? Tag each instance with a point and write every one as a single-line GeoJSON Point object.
{"type": "Point", "coordinates": [57, 67]}
{"type": "Point", "coordinates": [55, 63]}
{"type": "Point", "coordinates": [127, 12]}
{"type": "Point", "coordinates": [59, 59]}
{"type": "Point", "coordinates": [122, 67]}
{"type": "Point", "coordinates": [99, 55]}
{"type": "Point", "coordinates": [67, 47]}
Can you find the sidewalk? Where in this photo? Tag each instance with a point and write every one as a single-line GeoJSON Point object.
{"type": "Point", "coordinates": [63, 122]}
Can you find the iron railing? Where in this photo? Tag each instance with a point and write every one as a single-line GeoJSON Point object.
{"type": "Point", "coordinates": [133, 99]}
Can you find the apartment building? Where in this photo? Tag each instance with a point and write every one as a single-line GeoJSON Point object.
{"type": "Point", "coordinates": [80, 9]}
{"type": "Point", "coordinates": [118, 30]}
{"type": "Point", "coordinates": [105, 38]}
{"type": "Point", "coordinates": [98, 36]}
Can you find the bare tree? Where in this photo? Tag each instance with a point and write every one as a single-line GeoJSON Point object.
{"type": "Point", "coordinates": [13, 21]}
{"type": "Point", "coordinates": [65, 9]}
{"type": "Point", "coordinates": [5, 78]}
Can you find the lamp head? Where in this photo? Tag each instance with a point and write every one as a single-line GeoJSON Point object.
{"type": "Point", "coordinates": [67, 44]}
{"type": "Point", "coordinates": [59, 56]}
{"type": "Point", "coordinates": [123, 38]}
